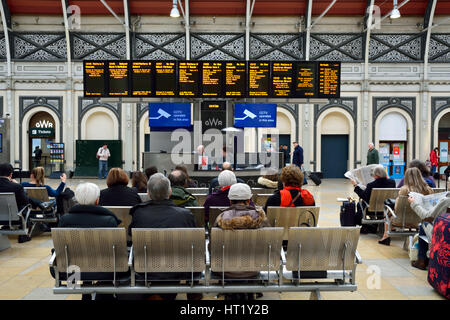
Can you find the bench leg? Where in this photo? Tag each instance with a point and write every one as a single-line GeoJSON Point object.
{"type": "Point", "coordinates": [407, 243]}
{"type": "Point", "coordinates": [4, 242]}
{"type": "Point", "coordinates": [315, 295]}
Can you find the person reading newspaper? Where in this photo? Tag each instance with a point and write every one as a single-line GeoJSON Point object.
{"type": "Point", "coordinates": [427, 208]}
{"type": "Point", "coordinates": [380, 180]}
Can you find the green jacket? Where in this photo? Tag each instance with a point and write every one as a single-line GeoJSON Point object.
{"type": "Point", "coordinates": [372, 157]}
{"type": "Point", "coordinates": [182, 198]}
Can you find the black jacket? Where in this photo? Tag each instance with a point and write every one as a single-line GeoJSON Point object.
{"type": "Point", "coordinates": [85, 216]}
{"type": "Point", "coordinates": [160, 214]}
{"type": "Point", "coordinates": [297, 157]}
{"type": "Point", "coordinates": [377, 183]}
{"type": "Point", "coordinates": [8, 186]}
{"type": "Point", "coordinates": [119, 195]}
{"type": "Point", "coordinates": [214, 183]}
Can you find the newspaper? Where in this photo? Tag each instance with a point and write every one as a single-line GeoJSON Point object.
{"type": "Point", "coordinates": [361, 175]}
{"type": "Point", "coordinates": [429, 201]}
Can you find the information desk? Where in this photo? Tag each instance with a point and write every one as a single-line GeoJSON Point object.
{"type": "Point", "coordinates": [165, 164]}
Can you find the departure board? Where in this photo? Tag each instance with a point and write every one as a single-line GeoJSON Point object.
{"type": "Point", "coordinates": [329, 75]}
{"type": "Point", "coordinates": [258, 79]}
{"type": "Point", "coordinates": [188, 78]}
{"type": "Point", "coordinates": [235, 79]}
{"type": "Point", "coordinates": [282, 79]}
{"type": "Point", "coordinates": [118, 80]}
{"type": "Point", "coordinates": [212, 78]}
{"type": "Point", "coordinates": [305, 80]}
{"type": "Point", "coordinates": [141, 78]}
{"type": "Point", "coordinates": [94, 78]}
{"type": "Point", "coordinates": [165, 78]}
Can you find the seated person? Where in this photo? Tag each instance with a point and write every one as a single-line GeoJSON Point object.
{"type": "Point", "coordinates": [139, 182]}
{"type": "Point", "coordinates": [214, 183]}
{"type": "Point", "coordinates": [87, 213]}
{"type": "Point", "coordinates": [161, 212]}
{"type": "Point", "coordinates": [37, 179]}
{"type": "Point", "coordinates": [269, 180]}
{"type": "Point", "coordinates": [241, 215]}
{"type": "Point", "coordinates": [292, 194]}
{"type": "Point", "coordinates": [190, 183]}
{"type": "Point", "coordinates": [8, 184]}
{"type": "Point", "coordinates": [220, 198]}
{"type": "Point", "coordinates": [180, 196]}
{"type": "Point", "coordinates": [414, 182]}
{"type": "Point", "coordinates": [426, 228]}
{"type": "Point", "coordinates": [425, 173]}
{"type": "Point", "coordinates": [118, 193]}
{"type": "Point", "coordinates": [150, 171]}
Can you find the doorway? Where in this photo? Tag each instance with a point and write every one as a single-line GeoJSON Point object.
{"type": "Point", "coordinates": [41, 134]}
{"type": "Point", "coordinates": [285, 139]}
{"type": "Point", "coordinates": [334, 155]}
{"type": "Point", "coordinates": [393, 157]}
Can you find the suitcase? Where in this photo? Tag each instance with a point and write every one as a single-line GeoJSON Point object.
{"type": "Point", "coordinates": [439, 265]}
{"type": "Point", "coordinates": [348, 214]}
{"type": "Point", "coordinates": [315, 178]}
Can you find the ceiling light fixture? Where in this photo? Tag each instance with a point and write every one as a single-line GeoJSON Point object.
{"type": "Point", "coordinates": [395, 13]}
{"type": "Point", "coordinates": [174, 13]}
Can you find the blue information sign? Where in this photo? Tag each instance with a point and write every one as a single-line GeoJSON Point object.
{"type": "Point", "coordinates": [169, 114]}
{"type": "Point", "coordinates": [255, 115]}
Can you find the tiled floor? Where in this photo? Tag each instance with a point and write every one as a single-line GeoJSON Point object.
{"type": "Point", "coordinates": [24, 270]}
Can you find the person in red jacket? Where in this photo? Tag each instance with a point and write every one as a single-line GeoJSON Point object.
{"type": "Point", "coordinates": [292, 194]}
{"type": "Point", "coordinates": [434, 159]}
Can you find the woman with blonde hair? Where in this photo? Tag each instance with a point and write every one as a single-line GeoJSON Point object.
{"type": "Point", "coordinates": [413, 182]}
{"type": "Point", "coordinates": [37, 179]}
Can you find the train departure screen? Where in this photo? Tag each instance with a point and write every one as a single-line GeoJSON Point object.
{"type": "Point", "coordinates": [141, 78]}
{"type": "Point", "coordinates": [258, 79]}
{"type": "Point", "coordinates": [212, 73]}
{"type": "Point", "coordinates": [329, 79]}
{"type": "Point", "coordinates": [94, 78]}
{"type": "Point", "coordinates": [118, 79]}
{"type": "Point", "coordinates": [165, 78]}
{"type": "Point", "coordinates": [235, 79]}
{"type": "Point", "coordinates": [188, 78]}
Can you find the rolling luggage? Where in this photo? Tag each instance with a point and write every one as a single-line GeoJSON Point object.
{"type": "Point", "coordinates": [348, 214]}
{"type": "Point", "coordinates": [314, 177]}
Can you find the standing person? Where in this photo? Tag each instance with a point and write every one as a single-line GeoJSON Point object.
{"type": "Point", "coordinates": [37, 156]}
{"type": "Point", "coordinates": [372, 155]}
{"type": "Point", "coordinates": [434, 159]}
{"type": "Point", "coordinates": [102, 155]}
{"type": "Point", "coordinates": [286, 155]}
{"type": "Point", "coordinates": [297, 158]}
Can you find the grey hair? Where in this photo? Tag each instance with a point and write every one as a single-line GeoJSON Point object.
{"type": "Point", "coordinates": [158, 187]}
{"type": "Point", "coordinates": [87, 193]}
{"type": "Point", "coordinates": [379, 171]}
{"type": "Point", "coordinates": [227, 178]}
{"type": "Point", "coordinates": [371, 144]}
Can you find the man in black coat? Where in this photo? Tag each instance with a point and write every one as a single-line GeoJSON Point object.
{"type": "Point", "coordinates": [161, 212]}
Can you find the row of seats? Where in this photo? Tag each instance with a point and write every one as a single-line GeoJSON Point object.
{"type": "Point", "coordinates": [101, 255]}
{"type": "Point", "coordinates": [284, 217]}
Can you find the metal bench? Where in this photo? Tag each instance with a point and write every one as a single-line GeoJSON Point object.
{"type": "Point", "coordinates": [197, 190]}
{"type": "Point", "coordinates": [331, 250]}
{"type": "Point", "coordinates": [201, 197]}
{"type": "Point", "coordinates": [12, 221]}
{"type": "Point", "coordinates": [404, 219]}
{"type": "Point", "coordinates": [376, 204]}
{"type": "Point", "coordinates": [37, 216]}
{"type": "Point", "coordinates": [123, 213]}
{"type": "Point", "coordinates": [261, 199]}
{"type": "Point", "coordinates": [287, 217]}
{"type": "Point", "coordinates": [199, 215]}
{"type": "Point", "coordinates": [144, 197]}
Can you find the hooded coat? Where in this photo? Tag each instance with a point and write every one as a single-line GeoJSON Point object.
{"type": "Point", "coordinates": [183, 198]}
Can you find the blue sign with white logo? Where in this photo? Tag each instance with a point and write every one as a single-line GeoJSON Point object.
{"type": "Point", "coordinates": [169, 114]}
{"type": "Point", "coordinates": [255, 115]}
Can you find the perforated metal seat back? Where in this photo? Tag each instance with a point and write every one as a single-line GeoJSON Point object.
{"type": "Point", "coordinates": [199, 215]}
{"type": "Point", "coordinates": [91, 249]}
{"type": "Point", "coordinates": [201, 197]}
{"type": "Point", "coordinates": [245, 250]}
{"type": "Point", "coordinates": [144, 197]}
{"type": "Point", "coordinates": [214, 212]}
{"type": "Point", "coordinates": [321, 248]}
{"type": "Point", "coordinates": [123, 213]}
{"type": "Point", "coordinates": [198, 190]}
{"type": "Point", "coordinates": [287, 217]}
{"type": "Point", "coordinates": [406, 216]}
{"type": "Point", "coordinates": [378, 196]}
{"type": "Point", "coordinates": [438, 190]}
{"type": "Point", "coordinates": [256, 191]}
{"type": "Point", "coordinates": [169, 250]}
{"type": "Point", "coordinates": [39, 193]}
{"type": "Point", "coordinates": [8, 207]}
{"type": "Point", "coordinates": [261, 199]}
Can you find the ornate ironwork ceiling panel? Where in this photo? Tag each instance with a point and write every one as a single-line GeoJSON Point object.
{"type": "Point", "coordinates": [39, 46]}
{"type": "Point", "coordinates": [279, 46]}
{"type": "Point", "coordinates": [99, 46]}
{"type": "Point", "coordinates": [396, 47]}
{"type": "Point", "coordinates": [160, 46]}
{"type": "Point", "coordinates": [336, 47]}
{"type": "Point", "coordinates": [217, 46]}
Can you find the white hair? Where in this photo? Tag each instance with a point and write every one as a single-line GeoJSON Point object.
{"type": "Point", "coordinates": [379, 171]}
{"type": "Point", "coordinates": [87, 193]}
{"type": "Point", "coordinates": [227, 178]}
{"type": "Point", "coordinates": [158, 187]}
{"type": "Point", "coordinates": [371, 144]}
